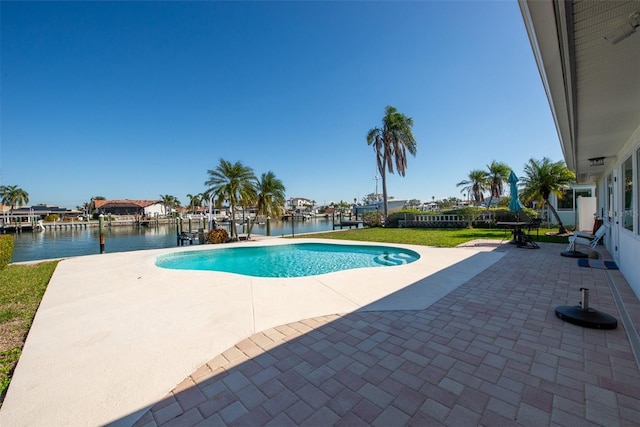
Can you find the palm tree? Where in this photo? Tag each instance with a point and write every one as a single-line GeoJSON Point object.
{"type": "Point", "coordinates": [195, 201]}
{"type": "Point", "coordinates": [475, 186]}
{"type": "Point", "coordinates": [169, 201]}
{"type": "Point", "coordinates": [232, 182]}
{"type": "Point", "coordinates": [270, 196]}
{"type": "Point", "coordinates": [544, 177]}
{"type": "Point", "coordinates": [391, 143]}
{"type": "Point", "coordinates": [13, 196]}
{"type": "Point", "coordinates": [497, 175]}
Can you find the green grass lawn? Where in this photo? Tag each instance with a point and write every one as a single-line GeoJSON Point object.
{"type": "Point", "coordinates": [21, 290]}
{"type": "Point", "coordinates": [438, 237]}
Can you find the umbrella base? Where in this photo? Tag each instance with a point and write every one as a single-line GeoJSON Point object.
{"type": "Point", "coordinates": [588, 318]}
{"type": "Point", "coordinates": [574, 254]}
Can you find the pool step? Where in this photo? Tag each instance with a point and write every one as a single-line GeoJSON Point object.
{"type": "Point", "coordinates": [392, 259]}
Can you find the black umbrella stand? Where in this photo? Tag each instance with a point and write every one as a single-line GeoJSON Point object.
{"type": "Point", "coordinates": [574, 254]}
{"type": "Point", "coordinates": [582, 315]}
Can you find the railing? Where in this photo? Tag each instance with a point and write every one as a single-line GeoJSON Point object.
{"type": "Point", "coordinates": [445, 221]}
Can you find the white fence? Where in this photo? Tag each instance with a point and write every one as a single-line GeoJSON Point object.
{"type": "Point", "coordinates": [444, 221]}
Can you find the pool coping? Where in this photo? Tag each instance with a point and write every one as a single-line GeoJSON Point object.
{"type": "Point", "coordinates": [144, 328]}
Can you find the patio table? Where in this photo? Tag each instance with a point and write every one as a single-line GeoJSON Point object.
{"type": "Point", "coordinates": [517, 230]}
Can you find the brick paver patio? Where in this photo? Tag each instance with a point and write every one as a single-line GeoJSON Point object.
{"type": "Point", "coordinates": [491, 353]}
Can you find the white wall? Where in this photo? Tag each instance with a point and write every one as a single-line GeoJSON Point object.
{"type": "Point", "coordinates": [623, 244]}
{"type": "Point", "coordinates": [587, 209]}
{"type": "Point", "coordinates": [629, 246]}
{"type": "Point", "coordinates": [153, 209]}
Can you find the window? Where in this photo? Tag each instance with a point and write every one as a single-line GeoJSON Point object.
{"type": "Point", "coordinates": [568, 200]}
{"type": "Point", "coordinates": [583, 193]}
{"type": "Point", "coordinates": [565, 199]}
{"type": "Point", "coordinates": [627, 191]}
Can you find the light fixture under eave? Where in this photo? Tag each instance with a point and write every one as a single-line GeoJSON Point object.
{"type": "Point", "coordinates": [625, 29]}
{"type": "Point", "coordinates": [596, 161]}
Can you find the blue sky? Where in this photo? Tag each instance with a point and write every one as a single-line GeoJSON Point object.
{"type": "Point", "coordinates": [138, 99]}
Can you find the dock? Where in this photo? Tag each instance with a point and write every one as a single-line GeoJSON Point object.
{"type": "Point", "coordinates": [349, 224]}
{"type": "Point", "coordinates": [18, 227]}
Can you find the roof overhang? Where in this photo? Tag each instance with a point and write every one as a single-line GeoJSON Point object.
{"type": "Point", "coordinates": [593, 86]}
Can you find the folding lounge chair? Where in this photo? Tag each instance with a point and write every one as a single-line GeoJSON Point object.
{"type": "Point", "coordinates": [581, 238]}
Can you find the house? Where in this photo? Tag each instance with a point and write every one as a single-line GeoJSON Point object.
{"type": "Point", "coordinates": [144, 208]}
{"type": "Point", "coordinates": [299, 204]}
{"type": "Point", "coordinates": [588, 56]}
{"type": "Point", "coordinates": [36, 212]}
{"type": "Point", "coordinates": [429, 207]}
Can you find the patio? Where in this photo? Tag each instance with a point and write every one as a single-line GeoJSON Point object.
{"type": "Point", "coordinates": [491, 352]}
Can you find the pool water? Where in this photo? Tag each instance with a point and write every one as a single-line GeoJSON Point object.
{"type": "Point", "coordinates": [293, 260]}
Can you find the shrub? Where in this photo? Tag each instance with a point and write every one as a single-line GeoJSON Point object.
{"type": "Point", "coordinates": [372, 219]}
{"type": "Point", "coordinates": [51, 217]}
{"type": "Point", "coordinates": [470, 214]}
{"type": "Point", "coordinates": [218, 235]}
{"type": "Point", "coordinates": [526, 214]}
{"type": "Point", "coordinates": [402, 214]}
{"type": "Point", "coordinates": [6, 250]}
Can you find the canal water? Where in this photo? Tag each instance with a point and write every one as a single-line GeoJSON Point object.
{"type": "Point", "coordinates": [61, 243]}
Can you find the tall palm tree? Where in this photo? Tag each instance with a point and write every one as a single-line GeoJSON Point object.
{"type": "Point", "coordinates": [543, 178]}
{"type": "Point", "coordinates": [391, 143]}
{"type": "Point", "coordinates": [270, 196]}
{"type": "Point", "coordinates": [497, 176]}
{"type": "Point", "coordinates": [232, 182]}
{"type": "Point", "coordinates": [13, 196]}
{"type": "Point", "coordinates": [475, 185]}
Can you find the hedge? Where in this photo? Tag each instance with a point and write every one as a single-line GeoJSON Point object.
{"type": "Point", "coordinates": [6, 250]}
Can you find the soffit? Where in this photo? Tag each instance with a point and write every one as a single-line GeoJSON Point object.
{"type": "Point", "coordinates": [606, 82]}
{"type": "Point", "coordinates": [593, 86]}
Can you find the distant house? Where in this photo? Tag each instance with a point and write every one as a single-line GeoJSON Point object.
{"type": "Point", "coordinates": [296, 203]}
{"type": "Point", "coordinates": [429, 206]}
{"type": "Point", "coordinates": [130, 207]}
{"type": "Point", "coordinates": [25, 213]}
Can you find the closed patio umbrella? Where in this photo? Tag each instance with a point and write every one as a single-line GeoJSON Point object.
{"type": "Point", "coordinates": [515, 205]}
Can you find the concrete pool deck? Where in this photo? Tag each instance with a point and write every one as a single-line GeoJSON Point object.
{"type": "Point", "coordinates": [114, 333]}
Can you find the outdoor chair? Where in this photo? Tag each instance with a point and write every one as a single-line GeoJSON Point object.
{"type": "Point", "coordinates": [582, 238]}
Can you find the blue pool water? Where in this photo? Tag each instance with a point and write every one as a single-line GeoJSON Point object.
{"type": "Point", "coordinates": [293, 260]}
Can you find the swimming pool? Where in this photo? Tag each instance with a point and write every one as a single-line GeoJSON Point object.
{"type": "Point", "coordinates": [291, 260]}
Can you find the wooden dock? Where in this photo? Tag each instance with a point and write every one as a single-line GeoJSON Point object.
{"type": "Point", "coordinates": [349, 224]}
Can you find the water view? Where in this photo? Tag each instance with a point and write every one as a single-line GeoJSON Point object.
{"type": "Point", "coordinates": [60, 243]}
